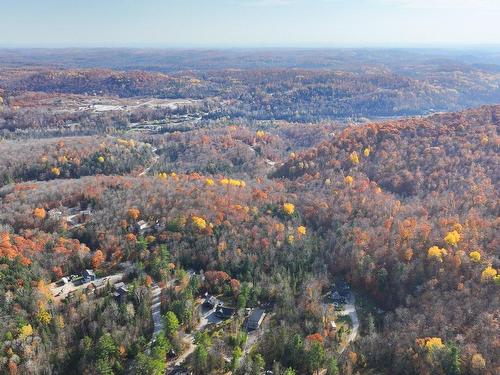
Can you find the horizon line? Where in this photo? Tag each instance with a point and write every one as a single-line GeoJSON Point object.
{"type": "Point", "coordinates": [311, 46]}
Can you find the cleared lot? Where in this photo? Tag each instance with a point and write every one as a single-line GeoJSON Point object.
{"type": "Point", "coordinates": [60, 292]}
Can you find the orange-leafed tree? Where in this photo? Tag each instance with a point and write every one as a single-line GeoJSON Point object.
{"type": "Point", "coordinates": [39, 213]}
{"type": "Point", "coordinates": [133, 213]}
{"type": "Point", "coordinates": [97, 259]}
{"type": "Point", "coordinates": [58, 272]}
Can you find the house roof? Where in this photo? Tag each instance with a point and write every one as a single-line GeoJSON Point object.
{"type": "Point", "coordinates": [142, 224]}
{"type": "Point", "coordinates": [120, 292]}
{"type": "Point", "coordinates": [88, 273]}
{"type": "Point", "coordinates": [99, 283]}
{"type": "Point", "coordinates": [225, 312]}
{"type": "Point", "coordinates": [211, 300]}
{"type": "Point", "coordinates": [255, 316]}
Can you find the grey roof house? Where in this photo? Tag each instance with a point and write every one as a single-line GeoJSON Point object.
{"type": "Point", "coordinates": [88, 276]}
{"type": "Point", "coordinates": [255, 319]}
{"type": "Point", "coordinates": [121, 291]}
{"type": "Point", "coordinates": [225, 312]}
{"type": "Point", "coordinates": [210, 302]}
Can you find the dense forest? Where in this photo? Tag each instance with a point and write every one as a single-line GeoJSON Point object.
{"type": "Point", "coordinates": [249, 221]}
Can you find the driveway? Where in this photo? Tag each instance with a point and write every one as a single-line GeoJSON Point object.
{"type": "Point", "coordinates": [350, 309]}
{"type": "Point", "coordinates": [207, 317]}
{"type": "Point", "coordinates": [255, 335]}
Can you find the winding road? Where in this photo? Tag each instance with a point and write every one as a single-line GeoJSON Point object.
{"type": "Point", "coordinates": [153, 162]}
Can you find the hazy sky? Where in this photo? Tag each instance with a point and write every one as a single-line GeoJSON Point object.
{"type": "Point", "coordinates": [208, 23]}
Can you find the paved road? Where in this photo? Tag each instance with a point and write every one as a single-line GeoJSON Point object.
{"type": "Point", "coordinates": [156, 311]}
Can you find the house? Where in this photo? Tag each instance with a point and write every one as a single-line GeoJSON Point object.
{"type": "Point", "coordinates": [55, 214]}
{"type": "Point", "coordinates": [121, 291]}
{"type": "Point", "coordinates": [225, 312]}
{"type": "Point", "coordinates": [255, 319]}
{"type": "Point", "coordinates": [72, 211]}
{"type": "Point", "coordinates": [210, 302]}
{"type": "Point", "coordinates": [88, 276]}
{"type": "Point", "coordinates": [72, 219]}
{"type": "Point", "coordinates": [86, 213]}
{"type": "Point", "coordinates": [119, 285]}
{"type": "Point", "coordinates": [142, 226]}
{"type": "Point", "coordinates": [97, 286]}
{"type": "Point", "coordinates": [333, 325]}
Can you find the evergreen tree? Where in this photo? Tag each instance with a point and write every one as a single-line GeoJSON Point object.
{"type": "Point", "coordinates": [171, 324]}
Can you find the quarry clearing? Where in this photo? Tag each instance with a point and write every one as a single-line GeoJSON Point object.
{"type": "Point", "coordinates": [63, 103]}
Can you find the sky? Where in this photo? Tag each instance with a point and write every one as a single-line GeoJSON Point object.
{"type": "Point", "coordinates": [248, 23]}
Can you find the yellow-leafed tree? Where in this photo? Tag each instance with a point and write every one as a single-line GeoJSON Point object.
{"type": "Point", "coordinates": [354, 158]}
{"type": "Point", "coordinates": [288, 208]}
{"type": "Point", "coordinates": [25, 331]}
{"type": "Point", "coordinates": [199, 222]}
{"type": "Point", "coordinates": [452, 238]}
{"type": "Point", "coordinates": [475, 256]}
{"type": "Point", "coordinates": [489, 273]}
